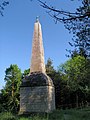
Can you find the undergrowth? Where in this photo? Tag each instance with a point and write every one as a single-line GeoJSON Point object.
{"type": "Point", "coordinates": [72, 114]}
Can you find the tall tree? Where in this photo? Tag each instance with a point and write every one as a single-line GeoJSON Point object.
{"type": "Point", "coordinates": [26, 72]}
{"type": "Point", "coordinates": [58, 83]}
{"type": "Point", "coordinates": [11, 89]}
{"type": "Point", "coordinates": [78, 74]}
{"type": "Point", "coordinates": [49, 67]}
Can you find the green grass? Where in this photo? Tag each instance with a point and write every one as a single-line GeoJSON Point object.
{"type": "Point", "coordinates": [7, 116]}
{"type": "Point", "coordinates": [71, 114]}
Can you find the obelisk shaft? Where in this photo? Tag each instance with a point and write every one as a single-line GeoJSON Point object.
{"type": "Point", "coordinates": [37, 58]}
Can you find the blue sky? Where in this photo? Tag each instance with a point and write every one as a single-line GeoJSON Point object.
{"type": "Point", "coordinates": [16, 31]}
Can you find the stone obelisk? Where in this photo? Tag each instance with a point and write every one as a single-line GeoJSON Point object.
{"type": "Point", "coordinates": [37, 89]}
{"type": "Point", "coordinates": [37, 59]}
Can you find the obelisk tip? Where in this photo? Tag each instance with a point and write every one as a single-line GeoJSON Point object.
{"type": "Point", "coordinates": [37, 19]}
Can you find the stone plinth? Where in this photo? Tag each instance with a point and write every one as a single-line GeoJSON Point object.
{"type": "Point", "coordinates": [37, 94]}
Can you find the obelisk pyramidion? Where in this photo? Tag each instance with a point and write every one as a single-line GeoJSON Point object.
{"type": "Point", "coordinates": [37, 90]}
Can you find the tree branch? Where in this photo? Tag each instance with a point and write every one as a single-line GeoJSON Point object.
{"type": "Point", "coordinates": [66, 16]}
{"type": "Point", "coordinates": [2, 6]}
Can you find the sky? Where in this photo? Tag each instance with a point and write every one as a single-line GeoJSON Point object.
{"type": "Point", "coordinates": [16, 32]}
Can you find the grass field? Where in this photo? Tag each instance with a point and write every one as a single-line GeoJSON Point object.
{"type": "Point", "coordinates": [72, 114]}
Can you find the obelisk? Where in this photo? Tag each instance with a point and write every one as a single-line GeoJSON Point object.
{"type": "Point", "coordinates": [37, 93]}
{"type": "Point", "coordinates": [37, 59]}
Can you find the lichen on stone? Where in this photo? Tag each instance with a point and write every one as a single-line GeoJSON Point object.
{"type": "Point", "coordinates": [36, 79]}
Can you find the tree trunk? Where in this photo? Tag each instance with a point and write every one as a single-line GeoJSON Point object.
{"type": "Point", "coordinates": [76, 100]}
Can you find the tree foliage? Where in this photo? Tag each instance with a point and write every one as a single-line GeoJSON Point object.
{"type": "Point", "coordinates": [66, 16]}
{"type": "Point", "coordinates": [71, 81]}
{"type": "Point", "coordinates": [10, 93]}
{"type": "Point", "coordinates": [26, 72]}
{"type": "Point", "coordinates": [49, 67]}
{"type": "Point", "coordinates": [77, 71]}
{"type": "Point", "coordinates": [59, 84]}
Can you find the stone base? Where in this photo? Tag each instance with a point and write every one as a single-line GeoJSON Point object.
{"type": "Point", "coordinates": [37, 99]}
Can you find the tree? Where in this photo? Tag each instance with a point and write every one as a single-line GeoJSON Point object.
{"type": "Point", "coordinates": [49, 67]}
{"type": "Point", "coordinates": [77, 22]}
{"type": "Point", "coordinates": [26, 72]}
{"type": "Point", "coordinates": [62, 16]}
{"type": "Point", "coordinates": [78, 74]}
{"type": "Point", "coordinates": [59, 84]}
{"type": "Point", "coordinates": [11, 89]}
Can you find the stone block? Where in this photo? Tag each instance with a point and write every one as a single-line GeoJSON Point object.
{"type": "Point", "coordinates": [37, 98]}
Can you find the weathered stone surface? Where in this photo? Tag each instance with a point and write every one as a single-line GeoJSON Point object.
{"type": "Point", "coordinates": [37, 94]}
{"type": "Point", "coordinates": [37, 99]}
{"type": "Point", "coordinates": [37, 58]}
{"type": "Point", "coordinates": [36, 79]}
